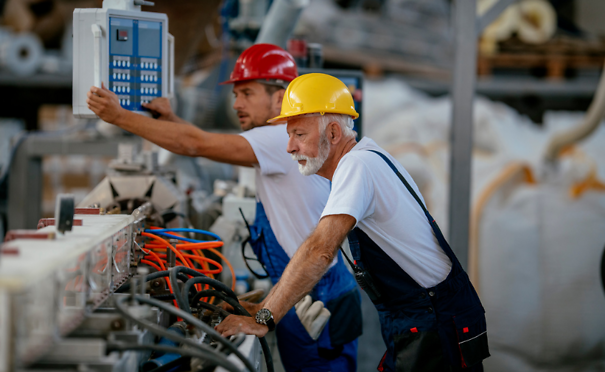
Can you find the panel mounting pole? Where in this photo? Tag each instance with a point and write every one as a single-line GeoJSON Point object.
{"type": "Point", "coordinates": [463, 94]}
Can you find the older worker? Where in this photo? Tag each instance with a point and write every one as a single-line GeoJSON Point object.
{"type": "Point", "coordinates": [430, 314]}
{"type": "Point", "coordinates": [259, 78]}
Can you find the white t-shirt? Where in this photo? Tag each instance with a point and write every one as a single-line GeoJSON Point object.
{"type": "Point", "coordinates": [366, 188]}
{"type": "Point", "coordinates": [293, 202]}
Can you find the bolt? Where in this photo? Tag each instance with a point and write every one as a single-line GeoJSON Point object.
{"type": "Point", "coordinates": [117, 324]}
{"type": "Point", "coordinates": [156, 283]}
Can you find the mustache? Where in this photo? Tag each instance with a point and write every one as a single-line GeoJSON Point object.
{"type": "Point", "coordinates": [299, 157]}
{"type": "Point", "coordinates": [242, 113]}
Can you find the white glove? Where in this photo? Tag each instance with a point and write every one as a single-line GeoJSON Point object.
{"type": "Point", "coordinates": [312, 315]}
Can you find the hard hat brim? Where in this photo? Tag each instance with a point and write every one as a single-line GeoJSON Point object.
{"type": "Point", "coordinates": [282, 119]}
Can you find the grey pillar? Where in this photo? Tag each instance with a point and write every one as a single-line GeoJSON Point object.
{"type": "Point", "coordinates": [463, 91]}
{"type": "Point", "coordinates": [24, 189]}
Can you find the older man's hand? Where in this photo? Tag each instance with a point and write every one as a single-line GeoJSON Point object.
{"type": "Point", "coordinates": [234, 324]}
{"type": "Point", "coordinates": [105, 104]}
{"type": "Point", "coordinates": [250, 307]}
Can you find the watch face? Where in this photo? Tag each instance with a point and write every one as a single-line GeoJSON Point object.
{"type": "Point", "coordinates": [263, 316]}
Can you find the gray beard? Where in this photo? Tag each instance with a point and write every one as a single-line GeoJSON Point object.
{"type": "Point", "coordinates": [313, 165]}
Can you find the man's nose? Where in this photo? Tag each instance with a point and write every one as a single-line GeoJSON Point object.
{"type": "Point", "coordinates": [292, 147]}
{"type": "Point", "coordinates": [237, 104]}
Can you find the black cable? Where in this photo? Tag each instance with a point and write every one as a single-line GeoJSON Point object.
{"type": "Point", "coordinates": [180, 301]}
{"type": "Point", "coordinates": [164, 297]}
{"type": "Point", "coordinates": [152, 276]}
{"type": "Point", "coordinates": [224, 313]}
{"type": "Point", "coordinates": [174, 365]}
{"type": "Point", "coordinates": [185, 304]}
{"type": "Point", "coordinates": [236, 305]}
{"type": "Point", "coordinates": [213, 283]}
{"type": "Point", "coordinates": [214, 293]}
{"type": "Point", "coordinates": [212, 357]}
{"type": "Point", "coordinates": [187, 318]}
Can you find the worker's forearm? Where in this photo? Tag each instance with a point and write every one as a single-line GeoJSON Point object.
{"type": "Point", "coordinates": [308, 265]}
{"type": "Point", "coordinates": [180, 138]}
{"type": "Point", "coordinates": [305, 269]}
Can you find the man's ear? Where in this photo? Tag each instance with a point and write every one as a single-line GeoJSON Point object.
{"type": "Point", "coordinates": [334, 132]}
{"type": "Point", "coordinates": [277, 99]}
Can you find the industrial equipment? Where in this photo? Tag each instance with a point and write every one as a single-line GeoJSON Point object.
{"type": "Point", "coordinates": [126, 49]}
{"type": "Point", "coordinates": [64, 302]}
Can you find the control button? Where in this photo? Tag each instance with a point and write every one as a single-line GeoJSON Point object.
{"type": "Point", "coordinates": [119, 89]}
{"type": "Point", "coordinates": [127, 63]}
{"type": "Point", "coordinates": [113, 88]}
{"type": "Point", "coordinates": [155, 78]}
{"type": "Point", "coordinates": [145, 90]}
{"type": "Point", "coordinates": [114, 62]}
{"type": "Point", "coordinates": [127, 76]}
{"type": "Point", "coordinates": [155, 90]}
{"type": "Point", "coordinates": [431, 293]}
{"type": "Point", "coordinates": [155, 65]}
{"type": "Point", "coordinates": [430, 309]}
{"type": "Point", "coordinates": [114, 75]}
{"type": "Point", "coordinates": [127, 102]}
{"type": "Point", "coordinates": [128, 89]}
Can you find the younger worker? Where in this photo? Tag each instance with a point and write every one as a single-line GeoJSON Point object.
{"type": "Point", "coordinates": [431, 317]}
{"type": "Point", "coordinates": [259, 78]}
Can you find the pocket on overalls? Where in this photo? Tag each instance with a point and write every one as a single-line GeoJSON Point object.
{"type": "Point", "coordinates": [471, 329]}
{"type": "Point", "coordinates": [419, 351]}
{"type": "Point", "coordinates": [345, 321]}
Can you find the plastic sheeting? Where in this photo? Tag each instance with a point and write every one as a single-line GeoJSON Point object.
{"type": "Point", "coordinates": [539, 232]}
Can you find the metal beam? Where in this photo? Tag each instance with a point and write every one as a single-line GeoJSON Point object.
{"type": "Point", "coordinates": [491, 14]}
{"type": "Point", "coordinates": [25, 178]}
{"type": "Point", "coordinates": [463, 92]}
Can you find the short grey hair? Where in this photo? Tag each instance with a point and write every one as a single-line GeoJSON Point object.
{"type": "Point", "coordinates": [345, 122]}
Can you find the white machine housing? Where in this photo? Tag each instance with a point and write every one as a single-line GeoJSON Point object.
{"type": "Point", "coordinates": [128, 50]}
{"type": "Point", "coordinates": [47, 286]}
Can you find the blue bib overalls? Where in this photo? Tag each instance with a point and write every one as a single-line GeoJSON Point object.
{"type": "Point", "coordinates": [436, 329]}
{"type": "Point", "coordinates": [336, 348]}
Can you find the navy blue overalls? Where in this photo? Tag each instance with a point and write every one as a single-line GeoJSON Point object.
{"type": "Point", "coordinates": [336, 347]}
{"type": "Point", "coordinates": [437, 329]}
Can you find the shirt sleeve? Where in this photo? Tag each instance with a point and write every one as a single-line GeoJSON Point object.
{"type": "Point", "coordinates": [352, 190]}
{"type": "Point", "coordinates": [269, 144]}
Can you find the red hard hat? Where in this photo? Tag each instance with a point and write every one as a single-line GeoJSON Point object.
{"type": "Point", "coordinates": [263, 61]}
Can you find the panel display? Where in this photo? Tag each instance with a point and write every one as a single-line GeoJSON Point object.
{"type": "Point", "coordinates": [150, 39]}
{"type": "Point", "coordinates": [135, 61]}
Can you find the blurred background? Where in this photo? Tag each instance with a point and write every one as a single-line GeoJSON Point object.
{"type": "Point", "coordinates": [494, 107]}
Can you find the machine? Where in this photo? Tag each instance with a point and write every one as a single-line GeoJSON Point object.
{"type": "Point", "coordinates": [126, 49]}
{"type": "Point", "coordinates": [64, 288]}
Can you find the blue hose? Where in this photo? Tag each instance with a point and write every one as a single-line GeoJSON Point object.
{"type": "Point", "coordinates": [163, 232]}
{"type": "Point", "coordinates": [164, 358]}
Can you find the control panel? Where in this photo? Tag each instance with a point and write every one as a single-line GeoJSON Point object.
{"type": "Point", "coordinates": [130, 52]}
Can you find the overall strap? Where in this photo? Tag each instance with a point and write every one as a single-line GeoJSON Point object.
{"type": "Point", "coordinates": [438, 234]}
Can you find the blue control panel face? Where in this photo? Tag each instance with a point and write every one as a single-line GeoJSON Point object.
{"type": "Point", "coordinates": [135, 61]}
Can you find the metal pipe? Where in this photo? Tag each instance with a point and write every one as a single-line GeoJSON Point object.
{"type": "Point", "coordinates": [589, 124]}
{"type": "Point", "coordinates": [280, 22]}
{"type": "Point", "coordinates": [463, 94]}
{"type": "Point", "coordinates": [143, 271]}
{"type": "Point", "coordinates": [491, 14]}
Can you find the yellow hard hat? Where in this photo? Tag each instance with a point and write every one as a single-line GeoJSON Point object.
{"type": "Point", "coordinates": [316, 93]}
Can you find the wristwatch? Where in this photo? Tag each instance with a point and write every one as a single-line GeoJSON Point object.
{"type": "Point", "coordinates": [265, 317]}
